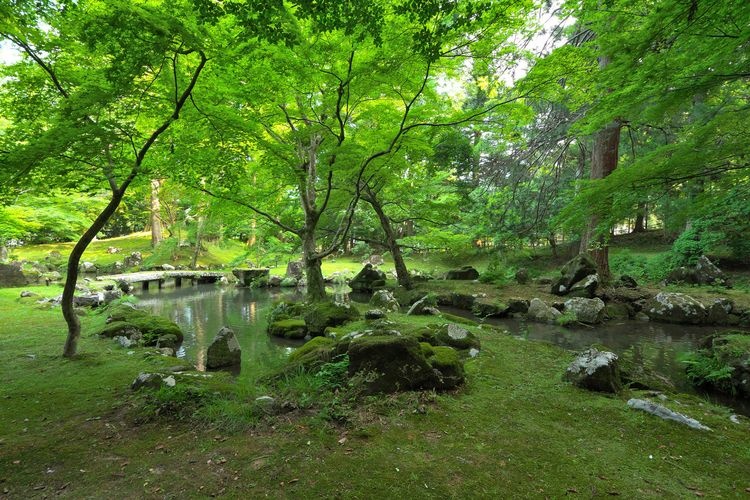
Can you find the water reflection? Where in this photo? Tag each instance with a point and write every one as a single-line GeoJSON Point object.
{"type": "Point", "coordinates": [203, 309]}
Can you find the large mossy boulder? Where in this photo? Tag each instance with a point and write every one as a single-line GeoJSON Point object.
{"type": "Point", "coordinates": [456, 336]}
{"type": "Point", "coordinates": [462, 273]}
{"type": "Point", "coordinates": [293, 328]}
{"type": "Point", "coordinates": [575, 270]}
{"type": "Point", "coordinates": [368, 279]}
{"type": "Point", "coordinates": [390, 364]}
{"type": "Point", "coordinates": [224, 351]}
{"type": "Point", "coordinates": [125, 320]}
{"type": "Point", "coordinates": [595, 370]}
{"type": "Point", "coordinates": [315, 351]}
{"type": "Point", "coordinates": [485, 308]}
{"type": "Point", "coordinates": [321, 315]}
{"type": "Point", "coordinates": [447, 363]}
{"type": "Point", "coordinates": [677, 308]}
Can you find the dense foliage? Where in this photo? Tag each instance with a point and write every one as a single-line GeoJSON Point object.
{"type": "Point", "coordinates": [323, 128]}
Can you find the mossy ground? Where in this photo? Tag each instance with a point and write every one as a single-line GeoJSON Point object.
{"type": "Point", "coordinates": [514, 431]}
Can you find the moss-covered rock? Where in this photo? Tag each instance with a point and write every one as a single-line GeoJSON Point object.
{"type": "Point", "coordinates": [489, 309]}
{"type": "Point", "coordinates": [321, 315]}
{"type": "Point", "coordinates": [617, 310]}
{"type": "Point", "coordinates": [288, 329]}
{"type": "Point", "coordinates": [390, 364]}
{"type": "Point", "coordinates": [458, 337]}
{"type": "Point", "coordinates": [286, 310]}
{"type": "Point", "coordinates": [447, 362]}
{"type": "Point", "coordinates": [125, 320]}
{"type": "Point", "coordinates": [315, 348]}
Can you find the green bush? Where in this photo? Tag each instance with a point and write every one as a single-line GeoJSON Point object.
{"type": "Point", "coordinates": [702, 368]}
{"type": "Point", "coordinates": [640, 267]}
{"type": "Point", "coordinates": [361, 249]}
{"type": "Point", "coordinates": [498, 272]}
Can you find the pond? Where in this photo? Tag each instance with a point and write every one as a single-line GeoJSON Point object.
{"type": "Point", "coordinates": [203, 309]}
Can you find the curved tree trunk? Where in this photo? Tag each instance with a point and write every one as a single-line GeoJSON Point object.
{"type": "Point", "coordinates": [68, 310]}
{"type": "Point", "coordinates": [402, 273]}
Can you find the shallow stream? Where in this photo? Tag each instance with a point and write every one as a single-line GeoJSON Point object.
{"type": "Point", "coordinates": [203, 309]}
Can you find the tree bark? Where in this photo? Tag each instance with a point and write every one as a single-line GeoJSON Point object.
{"type": "Point", "coordinates": [603, 162]}
{"type": "Point", "coordinates": [640, 219]}
{"type": "Point", "coordinates": [316, 287]}
{"type": "Point", "coordinates": [156, 226]}
{"type": "Point", "coordinates": [402, 273]}
{"type": "Point", "coordinates": [74, 260]}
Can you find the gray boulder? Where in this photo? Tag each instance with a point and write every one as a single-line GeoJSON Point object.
{"type": "Point", "coordinates": [12, 275]}
{"type": "Point", "coordinates": [134, 259]}
{"type": "Point", "coordinates": [167, 267]}
{"type": "Point", "coordinates": [541, 312]}
{"type": "Point", "coordinates": [384, 299]}
{"type": "Point", "coordinates": [572, 272]}
{"type": "Point", "coordinates": [704, 272]}
{"type": "Point", "coordinates": [678, 308]}
{"type": "Point", "coordinates": [463, 273]}
{"type": "Point", "coordinates": [152, 381]}
{"type": "Point", "coordinates": [424, 306]}
{"type": "Point", "coordinates": [295, 269]}
{"type": "Point", "coordinates": [589, 311]}
{"type": "Point", "coordinates": [87, 267]}
{"type": "Point", "coordinates": [586, 287]}
{"type": "Point", "coordinates": [224, 350]}
{"type": "Point", "coordinates": [595, 370]}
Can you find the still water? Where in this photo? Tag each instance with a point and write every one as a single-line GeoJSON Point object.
{"type": "Point", "coordinates": [203, 309]}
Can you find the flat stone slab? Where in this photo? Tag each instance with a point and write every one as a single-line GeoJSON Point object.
{"type": "Point", "coordinates": [160, 275]}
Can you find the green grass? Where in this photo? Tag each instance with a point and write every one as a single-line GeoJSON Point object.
{"type": "Point", "coordinates": [213, 256]}
{"type": "Point", "coordinates": [515, 431]}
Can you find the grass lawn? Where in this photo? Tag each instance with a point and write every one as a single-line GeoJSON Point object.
{"type": "Point", "coordinates": [514, 431]}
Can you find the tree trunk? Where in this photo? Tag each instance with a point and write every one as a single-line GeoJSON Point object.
{"type": "Point", "coordinates": [640, 219]}
{"type": "Point", "coordinates": [198, 242]}
{"type": "Point", "coordinates": [316, 287]}
{"type": "Point", "coordinates": [156, 227]}
{"type": "Point", "coordinates": [71, 318]}
{"type": "Point", "coordinates": [603, 162]}
{"type": "Point", "coordinates": [402, 273]}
